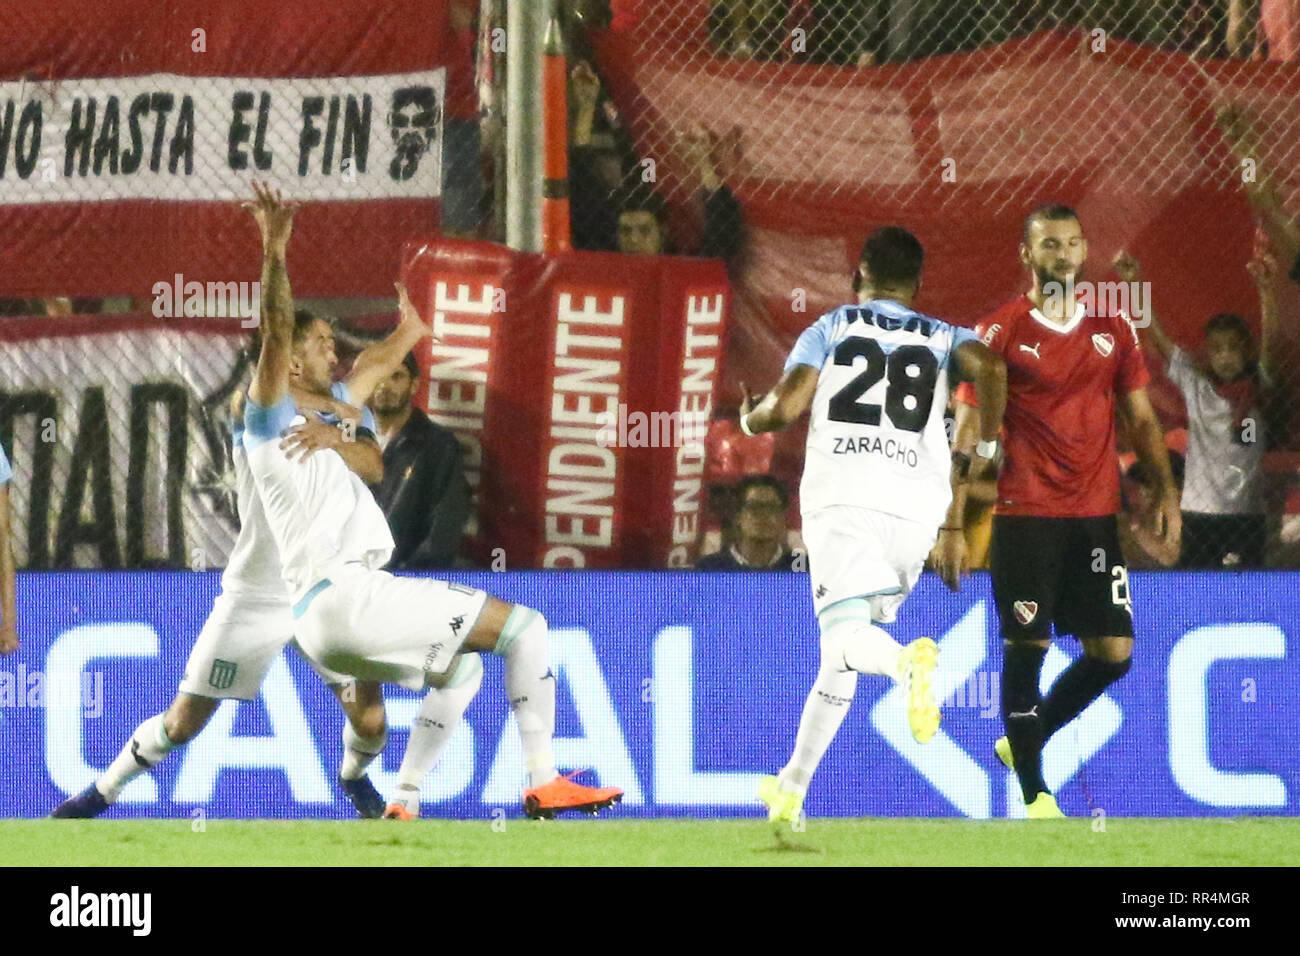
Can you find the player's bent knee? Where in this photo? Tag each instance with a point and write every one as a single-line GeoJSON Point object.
{"type": "Point", "coordinates": [491, 622]}
{"type": "Point", "coordinates": [370, 721]}
{"type": "Point", "coordinates": [187, 715]}
{"type": "Point", "coordinates": [522, 624]}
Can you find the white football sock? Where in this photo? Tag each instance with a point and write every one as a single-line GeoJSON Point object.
{"type": "Point", "coordinates": [851, 639]}
{"type": "Point", "coordinates": [440, 713]}
{"type": "Point", "coordinates": [823, 712]}
{"type": "Point", "coordinates": [530, 686]}
{"type": "Point", "coordinates": [359, 752]}
{"type": "Point", "coordinates": [147, 746]}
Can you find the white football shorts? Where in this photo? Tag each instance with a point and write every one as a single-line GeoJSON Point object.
{"type": "Point", "coordinates": [857, 552]}
{"type": "Point", "coordinates": [379, 627]}
{"type": "Point", "coordinates": [240, 640]}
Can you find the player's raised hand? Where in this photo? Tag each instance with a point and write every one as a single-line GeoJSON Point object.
{"type": "Point", "coordinates": [407, 310]}
{"type": "Point", "coordinates": [1127, 267]}
{"type": "Point", "coordinates": [949, 557]}
{"type": "Point", "coordinates": [8, 638]}
{"type": "Point", "coordinates": [274, 215]}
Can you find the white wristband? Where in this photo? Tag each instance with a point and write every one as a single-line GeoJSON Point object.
{"type": "Point", "coordinates": [987, 449]}
{"type": "Point", "coordinates": [744, 425]}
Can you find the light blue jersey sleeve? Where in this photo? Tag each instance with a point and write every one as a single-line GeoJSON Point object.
{"type": "Point", "coordinates": [262, 424]}
{"type": "Point", "coordinates": [341, 391]}
{"type": "Point", "coordinates": [814, 344]}
{"type": "Point", "coordinates": [6, 472]}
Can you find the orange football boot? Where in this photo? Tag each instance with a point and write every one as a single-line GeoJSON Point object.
{"type": "Point", "coordinates": [562, 794]}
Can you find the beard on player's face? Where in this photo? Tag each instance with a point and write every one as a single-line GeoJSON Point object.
{"type": "Point", "coordinates": [1058, 272]}
{"type": "Point", "coordinates": [390, 399]}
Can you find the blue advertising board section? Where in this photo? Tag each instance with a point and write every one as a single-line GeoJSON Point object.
{"type": "Point", "coordinates": [682, 688]}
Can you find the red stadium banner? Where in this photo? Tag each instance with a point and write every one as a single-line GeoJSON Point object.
{"type": "Point", "coordinates": [581, 386]}
{"type": "Point", "coordinates": [127, 130]}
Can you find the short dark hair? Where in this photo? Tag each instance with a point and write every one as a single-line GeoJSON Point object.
{"type": "Point", "coordinates": [303, 320]}
{"type": "Point", "coordinates": [742, 488]}
{"type": "Point", "coordinates": [638, 196]}
{"type": "Point", "coordinates": [411, 365]}
{"type": "Point", "coordinates": [893, 256]}
{"type": "Point", "coordinates": [1230, 322]}
{"type": "Point", "coordinates": [1050, 212]}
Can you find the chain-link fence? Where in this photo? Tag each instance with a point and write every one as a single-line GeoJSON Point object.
{"type": "Point", "coordinates": [776, 134]}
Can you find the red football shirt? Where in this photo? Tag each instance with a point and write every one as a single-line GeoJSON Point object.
{"type": "Point", "coordinates": [1058, 436]}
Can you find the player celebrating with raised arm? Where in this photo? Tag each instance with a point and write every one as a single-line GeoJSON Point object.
{"type": "Point", "coordinates": [878, 480]}
{"type": "Point", "coordinates": [250, 622]}
{"type": "Point", "coordinates": [354, 618]}
{"type": "Point", "coordinates": [1055, 554]}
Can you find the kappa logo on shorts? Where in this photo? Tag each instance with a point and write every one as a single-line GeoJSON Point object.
{"type": "Point", "coordinates": [457, 623]}
{"type": "Point", "coordinates": [821, 590]}
{"type": "Point", "coordinates": [1025, 611]}
{"type": "Point", "coordinates": [1104, 342]}
{"type": "Point", "coordinates": [223, 674]}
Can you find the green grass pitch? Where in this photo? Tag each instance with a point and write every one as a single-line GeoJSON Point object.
{"type": "Point", "coordinates": [613, 842]}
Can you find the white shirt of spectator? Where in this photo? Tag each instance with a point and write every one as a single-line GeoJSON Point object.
{"type": "Point", "coordinates": [1222, 475]}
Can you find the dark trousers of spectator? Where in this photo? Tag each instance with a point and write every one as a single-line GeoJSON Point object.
{"type": "Point", "coordinates": [1223, 541]}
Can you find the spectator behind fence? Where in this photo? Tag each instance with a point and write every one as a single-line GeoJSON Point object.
{"type": "Point", "coordinates": [613, 202]}
{"type": "Point", "coordinates": [424, 494]}
{"type": "Point", "coordinates": [1227, 395]}
{"type": "Point", "coordinates": [757, 529]}
{"type": "Point", "coordinates": [1139, 495]}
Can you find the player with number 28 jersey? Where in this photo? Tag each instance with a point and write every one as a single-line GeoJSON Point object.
{"type": "Point", "coordinates": [879, 483]}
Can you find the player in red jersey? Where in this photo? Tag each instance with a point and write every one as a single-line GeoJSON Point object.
{"type": "Point", "coordinates": [1055, 555]}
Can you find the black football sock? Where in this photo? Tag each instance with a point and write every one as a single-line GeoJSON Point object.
{"type": "Point", "coordinates": [1022, 665]}
{"type": "Point", "coordinates": [1078, 686]}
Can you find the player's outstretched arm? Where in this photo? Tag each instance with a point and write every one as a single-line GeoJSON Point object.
{"type": "Point", "coordinates": [781, 406]}
{"type": "Point", "coordinates": [8, 604]}
{"type": "Point", "coordinates": [1148, 326]}
{"type": "Point", "coordinates": [976, 363]}
{"type": "Point", "coordinates": [275, 220]}
{"type": "Point", "coordinates": [380, 360]}
{"type": "Point", "coordinates": [1149, 442]}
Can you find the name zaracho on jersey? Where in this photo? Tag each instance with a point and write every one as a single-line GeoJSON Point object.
{"type": "Point", "coordinates": [877, 438]}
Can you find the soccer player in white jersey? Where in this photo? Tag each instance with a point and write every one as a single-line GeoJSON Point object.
{"type": "Point", "coordinates": [250, 622]}
{"type": "Point", "coordinates": [351, 617]}
{"type": "Point", "coordinates": [878, 481]}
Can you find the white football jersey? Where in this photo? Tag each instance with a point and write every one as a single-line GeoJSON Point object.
{"type": "Point", "coordinates": [253, 570]}
{"type": "Point", "coordinates": [877, 437]}
{"type": "Point", "coordinates": [299, 519]}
